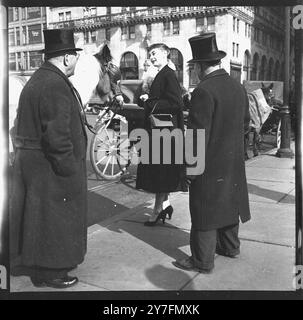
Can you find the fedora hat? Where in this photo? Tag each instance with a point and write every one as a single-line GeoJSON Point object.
{"type": "Point", "coordinates": [59, 40]}
{"type": "Point", "coordinates": [204, 48]}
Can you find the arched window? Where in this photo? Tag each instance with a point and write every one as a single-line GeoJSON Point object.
{"type": "Point", "coordinates": [129, 66]}
{"type": "Point", "coordinates": [262, 68]}
{"type": "Point", "coordinates": [246, 65]}
{"type": "Point", "coordinates": [255, 66]}
{"type": "Point", "coordinates": [276, 71]}
{"type": "Point", "coordinates": [270, 69]}
{"type": "Point", "coordinates": [177, 59]}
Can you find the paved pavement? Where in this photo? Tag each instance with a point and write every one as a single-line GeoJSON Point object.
{"type": "Point", "coordinates": [124, 255]}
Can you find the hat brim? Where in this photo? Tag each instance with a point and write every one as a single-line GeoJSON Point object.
{"type": "Point", "coordinates": [59, 50]}
{"type": "Point", "coordinates": [211, 57]}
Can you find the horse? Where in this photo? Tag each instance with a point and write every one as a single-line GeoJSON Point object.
{"type": "Point", "coordinates": [258, 119]}
{"type": "Point", "coordinates": [96, 76]}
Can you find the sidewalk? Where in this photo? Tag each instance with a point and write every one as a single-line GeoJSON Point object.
{"type": "Point", "coordinates": [124, 255]}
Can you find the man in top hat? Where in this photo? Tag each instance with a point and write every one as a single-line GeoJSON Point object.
{"type": "Point", "coordinates": [218, 197]}
{"type": "Point", "coordinates": [48, 207]}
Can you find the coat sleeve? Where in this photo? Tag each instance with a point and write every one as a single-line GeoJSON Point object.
{"type": "Point", "coordinates": [172, 101]}
{"type": "Point", "coordinates": [55, 112]}
{"type": "Point", "coordinates": [200, 116]}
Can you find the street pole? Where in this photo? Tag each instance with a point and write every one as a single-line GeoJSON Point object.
{"type": "Point", "coordinates": [284, 151]}
{"type": "Point", "coordinates": [299, 105]}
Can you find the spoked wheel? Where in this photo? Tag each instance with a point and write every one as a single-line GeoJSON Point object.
{"type": "Point", "coordinates": [110, 153]}
{"type": "Point", "coordinates": [278, 135]}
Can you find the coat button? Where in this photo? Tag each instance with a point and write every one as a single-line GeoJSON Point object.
{"type": "Point", "coordinates": [64, 199]}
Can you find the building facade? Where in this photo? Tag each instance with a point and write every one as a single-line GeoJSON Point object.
{"type": "Point", "coordinates": [252, 37]}
{"type": "Point", "coordinates": [25, 38]}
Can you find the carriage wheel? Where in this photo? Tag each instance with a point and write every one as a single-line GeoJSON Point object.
{"type": "Point", "coordinates": [110, 156]}
{"type": "Point", "coordinates": [278, 135]}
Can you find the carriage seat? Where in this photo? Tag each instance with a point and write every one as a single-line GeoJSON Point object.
{"type": "Point", "coordinates": [131, 91]}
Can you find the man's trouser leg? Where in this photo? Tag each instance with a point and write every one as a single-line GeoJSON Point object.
{"type": "Point", "coordinates": [203, 248]}
{"type": "Point", "coordinates": [228, 242]}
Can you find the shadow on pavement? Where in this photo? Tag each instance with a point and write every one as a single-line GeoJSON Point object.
{"type": "Point", "coordinates": [270, 194]}
{"type": "Point", "coordinates": [161, 277]}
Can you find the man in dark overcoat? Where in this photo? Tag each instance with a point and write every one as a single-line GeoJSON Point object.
{"type": "Point", "coordinates": [48, 210]}
{"type": "Point", "coordinates": [218, 197]}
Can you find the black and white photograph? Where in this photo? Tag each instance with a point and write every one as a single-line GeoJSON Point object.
{"type": "Point", "coordinates": [151, 149]}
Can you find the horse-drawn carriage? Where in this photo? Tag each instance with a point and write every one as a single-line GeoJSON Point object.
{"type": "Point", "coordinates": [265, 99]}
{"type": "Point", "coordinates": [112, 150]}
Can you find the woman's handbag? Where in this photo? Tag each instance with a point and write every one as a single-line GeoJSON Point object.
{"type": "Point", "coordinates": [160, 120]}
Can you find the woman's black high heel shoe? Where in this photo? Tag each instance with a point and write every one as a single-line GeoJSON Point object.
{"type": "Point", "coordinates": [169, 211]}
{"type": "Point", "coordinates": [161, 216]}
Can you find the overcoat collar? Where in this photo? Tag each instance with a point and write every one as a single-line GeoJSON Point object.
{"type": "Point", "coordinates": [163, 70]}
{"type": "Point", "coordinates": [49, 66]}
{"type": "Point", "coordinates": [216, 73]}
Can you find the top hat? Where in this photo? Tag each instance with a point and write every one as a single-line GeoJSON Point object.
{"type": "Point", "coordinates": [204, 48]}
{"type": "Point", "coordinates": [59, 40]}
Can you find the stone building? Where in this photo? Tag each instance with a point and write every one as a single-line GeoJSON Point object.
{"type": "Point", "coordinates": [25, 38]}
{"type": "Point", "coordinates": [253, 37]}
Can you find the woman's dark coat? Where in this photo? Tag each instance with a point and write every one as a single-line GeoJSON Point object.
{"type": "Point", "coordinates": [48, 211]}
{"type": "Point", "coordinates": [219, 196]}
{"type": "Point", "coordinates": [161, 177]}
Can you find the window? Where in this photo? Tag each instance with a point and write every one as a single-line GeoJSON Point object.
{"type": "Point", "coordinates": [24, 36]}
{"type": "Point", "coordinates": [11, 37]}
{"type": "Point", "coordinates": [176, 27]}
{"type": "Point", "coordinates": [34, 34]}
{"type": "Point", "coordinates": [132, 32]}
{"type": "Point", "coordinates": [264, 39]}
{"type": "Point", "coordinates": [12, 62]}
{"type": "Point", "coordinates": [33, 12]}
{"type": "Point", "coordinates": [93, 36]}
{"type": "Point", "coordinates": [210, 23]}
{"type": "Point", "coordinates": [148, 28]}
{"type": "Point", "coordinates": [35, 59]}
{"type": "Point", "coordinates": [234, 49]}
{"type": "Point", "coordinates": [150, 11]}
{"type": "Point", "coordinates": [17, 36]}
{"type": "Point", "coordinates": [10, 14]}
{"type": "Point", "coordinates": [129, 66]}
{"type": "Point", "coordinates": [238, 25]}
{"type": "Point", "coordinates": [234, 24]}
{"type": "Point", "coordinates": [107, 34]}
{"type": "Point", "coordinates": [158, 10]}
{"type": "Point", "coordinates": [19, 63]}
{"type": "Point", "coordinates": [237, 51]}
{"type": "Point", "coordinates": [68, 15]}
{"type": "Point", "coordinates": [61, 16]}
{"type": "Point", "coordinates": [124, 33]}
{"type": "Point", "coordinates": [200, 24]}
{"type": "Point", "coordinates": [86, 36]}
{"type": "Point", "coordinates": [166, 26]}
{"type": "Point", "coordinates": [108, 10]}
{"type": "Point", "coordinates": [23, 13]}
{"type": "Point", "coordinates": [16, 13]}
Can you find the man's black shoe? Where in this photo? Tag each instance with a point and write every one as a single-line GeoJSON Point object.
{"type": "Point", "coordinates": [226, 254]}
{"type": "Point", "coordinates": [60, 283]}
